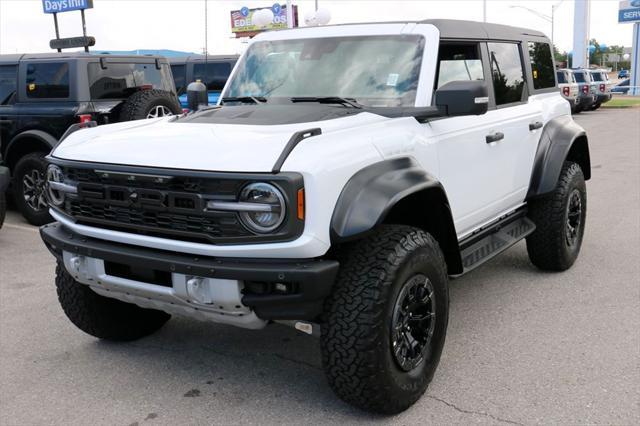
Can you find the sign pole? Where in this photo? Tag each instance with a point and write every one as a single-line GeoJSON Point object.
{"type": "Point", "coordinates": [289, 14]}
{"type": "Point", "coordinates": [84, 29]}
{"type": "Point", "coordinates": [55, 22]}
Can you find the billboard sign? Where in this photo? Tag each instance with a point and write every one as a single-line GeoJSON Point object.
{"type": "Point", "coordinates": [59, 6]}
{"type": "Point", "coordinates": [242, 26]}
{"type": "Point", "coordinates": [629, 11]}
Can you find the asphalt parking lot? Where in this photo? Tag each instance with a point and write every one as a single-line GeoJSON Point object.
{"type": "Point", "coordinates": [523, 346]}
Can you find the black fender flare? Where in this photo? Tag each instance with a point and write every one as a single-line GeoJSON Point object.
{"type": "Point", "coordinates": [37, 135]}
{"type": "Point", "coordinates": [371, 194]}
{"type": "Point", "coordinates": [560, 137]}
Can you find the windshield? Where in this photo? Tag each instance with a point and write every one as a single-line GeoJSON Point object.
{"type": "Point", "coordinates": [121, 80]}
{"type": "Point", "coordinates": [375, 71]}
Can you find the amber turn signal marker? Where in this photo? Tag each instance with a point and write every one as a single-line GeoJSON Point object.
{"type": "Point", "coordinates": [301, 204]}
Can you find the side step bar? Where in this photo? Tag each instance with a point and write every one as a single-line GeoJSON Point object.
{"type": "Point", "coordinates": [494, 241]}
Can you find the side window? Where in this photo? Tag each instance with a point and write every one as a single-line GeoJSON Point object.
{"type": "Point", "coordinates": [8, 83]}
{"type": "Point", "coordinates": [48, 80]}
{"type": "Point", "coordinates": [213, 74]}
{"type": "Point", "coordinates": [506, 72]}
{"type": "Point", "coordinates": [179, 77]}
{"type": "Point", "coordinates": [459, 62]}
{"type": "Point", "coordinates": [541, 65]}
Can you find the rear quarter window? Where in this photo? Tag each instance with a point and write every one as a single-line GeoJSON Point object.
{"type": "Point", "coordinates": [541, 65]}
{"type": "Point", "coordinates": [48, 80]}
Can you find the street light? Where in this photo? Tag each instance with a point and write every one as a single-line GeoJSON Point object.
{"type": "Point", "coordinates": [547, 18]}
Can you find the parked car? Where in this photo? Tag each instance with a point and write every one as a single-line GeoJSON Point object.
{"type": "Point", "coordinates": [623, 73]}
{"type": "Point", "coordinates": [4, 183]}
{"type": "Point", "coordinates": [622, 87]}
{"type": "Point", "coordinates": [569, 88]}
{"type": "Point", "coordinates": [41, 95]}
{"type": "Point", "coordinates": [349, 171]}
{"type": "Point", "coordinates": [213, 71]}
{"type": "Point", "coordinates": [603, 87]}
{"type": "Point", "coordinates": [588, 88]}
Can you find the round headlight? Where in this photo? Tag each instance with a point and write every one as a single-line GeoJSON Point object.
{"type": "Point", "coordinates": [269, 209]}
{"type": "Point", "coordinates": [54, 174]}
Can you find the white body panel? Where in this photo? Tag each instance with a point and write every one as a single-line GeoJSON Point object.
{"type": "Point", "coordinates": [482, 180]}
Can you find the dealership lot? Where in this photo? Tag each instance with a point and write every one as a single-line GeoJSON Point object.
{"type": "Point", "coordinates": [523, 346]}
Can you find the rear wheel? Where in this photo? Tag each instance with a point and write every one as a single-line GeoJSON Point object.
{"type": "Point", "coordinates": [103, 317]}
{"type": "Point", "coordinates": [29, 188]}
{"type": "Point", "coordinates": [386, 320]}
{"type": "Point", "coordinates": [560, 221]}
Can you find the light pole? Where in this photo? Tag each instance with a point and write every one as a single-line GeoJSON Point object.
{"type": "Point", "coordinates": [547, 18]}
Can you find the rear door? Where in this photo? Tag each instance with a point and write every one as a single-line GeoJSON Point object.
{"type": "Point", "coordinates": [46, 97]}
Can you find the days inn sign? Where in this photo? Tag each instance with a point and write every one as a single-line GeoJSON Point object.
{"type": "Point", "coordinates": [59, 6]}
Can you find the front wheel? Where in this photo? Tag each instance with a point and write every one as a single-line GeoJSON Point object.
{"type": "Point", "coordinates": [560, 221]}
{"type": "Point", "coordinates": [386, 320]}
{"type": "Point", "coordinates": [29, 188]}
{"type": "Point", "coordinates": [103, 317]}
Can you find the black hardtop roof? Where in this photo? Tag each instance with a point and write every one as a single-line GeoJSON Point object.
{"type": "Point", "coordinates": [454, 28]}
{"type": "Point", "coordinates": [457, 28]}
{"type": "Point", "coordinates": [17, 57]}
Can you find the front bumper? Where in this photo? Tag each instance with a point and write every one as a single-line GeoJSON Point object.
{"type": "Point", "coordinates": [5, 178]}
{"type": "Point", "coordinates": [242, 292]}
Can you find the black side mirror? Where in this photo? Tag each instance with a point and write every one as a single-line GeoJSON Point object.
{"type": "Point", "coordinates": [197, 95]}
{"type": "Point", "coordinates": [463, 98]}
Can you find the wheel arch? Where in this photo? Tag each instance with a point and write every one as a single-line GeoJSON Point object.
{"type": "Point", "coordinates": [561, 140]}
{"type": "Point", "coordinates": [396, 191]}
{"type": "Point", "coordinates": [27, 142]}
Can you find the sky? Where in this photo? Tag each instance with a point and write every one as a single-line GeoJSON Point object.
{"type": "Point", "coordinates": [179, 24]}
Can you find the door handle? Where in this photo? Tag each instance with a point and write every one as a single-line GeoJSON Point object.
{"type": "Point", "coordinates": [495, 137]}
{"type": "Point", "coordinates": [535, 125]}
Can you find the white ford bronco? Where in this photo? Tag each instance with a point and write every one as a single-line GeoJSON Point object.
{"type": "Point", "coordinates": [347, 172]}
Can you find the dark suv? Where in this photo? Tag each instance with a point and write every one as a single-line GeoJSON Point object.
{"type": "Point", "coordinates": [42, 95]}
{"type": "Point", "coordinates": [213, 71]}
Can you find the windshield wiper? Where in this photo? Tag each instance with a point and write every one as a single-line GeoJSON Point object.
{"type": "Point", "coordinates": [245, 99]}
{"type": "Point", "coordinates": [328, 100]}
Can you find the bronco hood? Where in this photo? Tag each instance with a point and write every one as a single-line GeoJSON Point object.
{"type": "Point", "coordinates": [198, 142]}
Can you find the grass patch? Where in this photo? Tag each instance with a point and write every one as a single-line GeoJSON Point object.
{"type": "Point", "coordinates": [622, 103]}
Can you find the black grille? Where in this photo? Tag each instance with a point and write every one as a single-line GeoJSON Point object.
{"type": "Point", "coordinates": [169, 206]}
{"type": "Point", "coordinates": [171, 203]}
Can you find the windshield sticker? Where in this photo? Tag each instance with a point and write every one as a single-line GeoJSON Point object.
{"type": "Point", "coordinates": [392, 79]}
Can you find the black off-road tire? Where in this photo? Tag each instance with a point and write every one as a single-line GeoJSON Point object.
{"type": "Point", "coordinates": [31, 165]}
{"type": "Point", "coordinates": [356, 338]}
{"type": "Point", "coordinates": [3, 208]}
{"type": "Point", "coordinates": [549, 246]}
{"type": "Point", "coordinates": [103, 317]}
{"type": "Point", "coordinates": [139, 105]}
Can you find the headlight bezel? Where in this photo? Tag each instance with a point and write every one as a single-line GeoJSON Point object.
{"type": "Point", "coordinates": [278, 206]}
{"type": "Point", "coordinates": [55, 197]}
